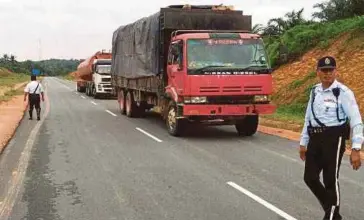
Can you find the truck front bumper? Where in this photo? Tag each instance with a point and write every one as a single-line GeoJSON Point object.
{"type": "Point", "coordinates": [227, 110]}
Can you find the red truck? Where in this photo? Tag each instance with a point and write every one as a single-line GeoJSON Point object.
{"type": "Point", "coordinates": [93, 75]}
{"type": "Point", "coordinates": [193, 64]}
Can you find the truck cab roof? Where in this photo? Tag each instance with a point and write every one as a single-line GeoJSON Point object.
{"type": "Point", "coordinates": [211, 35]}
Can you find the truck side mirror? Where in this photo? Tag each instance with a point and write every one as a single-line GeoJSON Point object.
{"type": "Point", "coordinates": [262, 60]}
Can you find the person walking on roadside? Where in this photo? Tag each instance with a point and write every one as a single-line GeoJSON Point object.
{"type": "Point", "coordinates": [331, 113]}
{"type": "Point", "coordinates": [34, 92]}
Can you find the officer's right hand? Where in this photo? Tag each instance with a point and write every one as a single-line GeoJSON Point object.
{"type": "Point", "coordinates": [355, 159]}
{"type": "Point", "coordinates": [303, 153]}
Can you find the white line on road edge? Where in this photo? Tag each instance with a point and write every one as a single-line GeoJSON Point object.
{"type": "Point", "coordinates": [18, 176]}
{"type": "Point", "coordinates": [83, 96]}
{"type": "Point", "coordinates": [93, 102]}
{"type": "Point", "coordinates": [110, 113]}
{"type": "Point", "coordinates": [149, 135]}
{"type": "Point", "coordinates": [261, 201]}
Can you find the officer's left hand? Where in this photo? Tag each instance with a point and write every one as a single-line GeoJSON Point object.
{"type": "Point", "coordinates": [355, 160]}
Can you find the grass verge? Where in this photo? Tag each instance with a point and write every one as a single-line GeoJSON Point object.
{"type": "Point", "coordinates": [9, 79]}
{"type": "Point", "coordinates": [10, 94]}
{"type": "Point", "coordinates": [67, 77]}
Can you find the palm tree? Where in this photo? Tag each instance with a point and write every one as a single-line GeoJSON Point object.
{"type": "Point", "coordinates": [5, 57]}
{"type": "Point", "coordinates": [257, 29]}
{"type": "Point", "coordinates": [12, 58]}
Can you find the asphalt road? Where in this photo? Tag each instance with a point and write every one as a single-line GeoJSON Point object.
{"type": "Point", "coordinates": [86, 161]}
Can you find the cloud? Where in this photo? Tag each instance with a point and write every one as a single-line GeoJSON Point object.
{"type": "Point", "coordinates": [76, 29]}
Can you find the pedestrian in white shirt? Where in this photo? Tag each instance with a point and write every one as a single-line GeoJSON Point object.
{"type": "Point", "coordinates": [34, 92]}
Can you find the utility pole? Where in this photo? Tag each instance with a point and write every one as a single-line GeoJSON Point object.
{"type": "Point", "coordinates": [40, 49]}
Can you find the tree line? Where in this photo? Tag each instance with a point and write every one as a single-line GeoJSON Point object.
{"type": "Point", "coordinates": [50, 67]}
{"type": "Point", "coordinates": [328, 11]}
{"type": "Point", "coordinates": [287, 38]}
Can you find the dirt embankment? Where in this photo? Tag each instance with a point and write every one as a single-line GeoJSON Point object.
{"type": "Point", "coordinates": [11, 113]}
{"type": "Point", "coordinates": [292, 80]}
{"type": "Point", "coordinates": [348, 50]}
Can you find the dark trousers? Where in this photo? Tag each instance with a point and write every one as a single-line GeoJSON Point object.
{"type": "Point", "coordinates": [34, 101]}
{"type": "Point", "coordinates": [324, 153]}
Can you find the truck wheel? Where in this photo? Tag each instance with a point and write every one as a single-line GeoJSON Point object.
{"type": "Point", "coordinates": [248, 126]}
{"type": "Point", "coordinates": [175, 126]}
{"type": "Point", "coordinates": [87, 91]}
{"type": "Point", "coordinates": [131, 108]}
{"type": "Point", "coordinates": [121, 100]}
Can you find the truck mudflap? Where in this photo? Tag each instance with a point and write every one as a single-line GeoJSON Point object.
{"type": "Point", "coordinates": [227, 110]}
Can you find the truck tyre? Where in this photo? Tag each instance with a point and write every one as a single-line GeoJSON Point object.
{"type": "Point", "coordinates": [94, 93]}
{"type": "Point", "coordinates": [121, 100]}
{"type": "Point", "coordinates": [247, 126]}
{"type": "Point", "coordinates": [131, 108]}
{"type": "Point", "coordinates": [175, 126]}
{"type": "Point", "coordinates": [88, 91]}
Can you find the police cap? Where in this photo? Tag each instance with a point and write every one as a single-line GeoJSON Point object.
{"type": "Point", "coordinates": [326, 63]}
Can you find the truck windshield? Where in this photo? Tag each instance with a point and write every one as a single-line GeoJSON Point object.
{"type": "Point", "coordinates": [103, 69]}
{"type": "Point", "coordinates": [234, 54]}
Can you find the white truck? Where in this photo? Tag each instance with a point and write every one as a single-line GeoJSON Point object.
{"type": "Point", "coordinates": [100, 85]}
{"type": "Point", "coordinates": [93, 75]}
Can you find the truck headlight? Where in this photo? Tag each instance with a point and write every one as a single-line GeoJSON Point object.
{"type": "Point", "coordinates": [261, 98]}
{"type": "Point", "coordinates": [195, 99]}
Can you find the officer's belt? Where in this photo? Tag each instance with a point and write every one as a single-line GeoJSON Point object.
{"type": "Point", "coordinates": [342, 130]}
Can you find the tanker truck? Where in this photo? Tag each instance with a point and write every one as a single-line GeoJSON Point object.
{"type": "Point", "coordinates": [93, 75]}
{"type": "Point", "coordinates": [193, 64]}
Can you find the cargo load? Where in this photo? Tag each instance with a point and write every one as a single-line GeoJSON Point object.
{"type": "Point", "coordinates": [139, 48]}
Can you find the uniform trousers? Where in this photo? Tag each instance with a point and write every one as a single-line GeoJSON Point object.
{"type": "Point", "coordinates": [34, 101]}
{"type": "Point", "coordinates": [324, 153]}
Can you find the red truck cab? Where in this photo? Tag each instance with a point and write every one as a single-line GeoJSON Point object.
{"type": "Point", "coordinates": [218, 77]}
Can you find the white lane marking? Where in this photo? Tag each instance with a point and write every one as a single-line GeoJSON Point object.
{"type": "Point", "coordinates": [261, 201]}
{"type": "Point", "coordinates": [83, 96]}
{"type": "Point", "coordinates": [93, 102]}
{"type": "Point", "coordinates": [110, 113]}
{"type": "Point", "coordinates": [149, 135]}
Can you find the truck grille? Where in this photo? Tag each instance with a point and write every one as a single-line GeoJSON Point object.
{"type": "Point", "coordinates": [252, 88]}
{"type": "Point", "coordinates": [231, 89]}
{"type": "Point", "coordinates": [209, 89]}
{"type": "Point", "coordinates": [106, 80]}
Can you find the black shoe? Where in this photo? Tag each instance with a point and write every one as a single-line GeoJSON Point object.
{"type": "Point", "coordinates": [30, 118]}
{"type": "Point", "coordinates": [38, 118]}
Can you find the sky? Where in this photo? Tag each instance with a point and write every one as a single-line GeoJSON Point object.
{"type": "Point", "coordinates": [65, 29]}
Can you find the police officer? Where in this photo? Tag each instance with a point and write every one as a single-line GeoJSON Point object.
{"type": "Point", "coordinates": [34, 92]}
{"type": "Point", "coordinates": [331, 113]}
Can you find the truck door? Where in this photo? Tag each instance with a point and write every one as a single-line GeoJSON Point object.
{"type": "Point", "coordinates": [175, 66]}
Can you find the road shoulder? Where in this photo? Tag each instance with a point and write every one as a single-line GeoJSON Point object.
{"type": "Point", "coordinates": [11, 114]}
{"type": "Point", "coordinates": [292, 135]}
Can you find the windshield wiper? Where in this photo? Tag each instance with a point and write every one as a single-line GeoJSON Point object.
{"type": "Point", "coordinates": [256, 67]}
{"type": "Point", "coordinates": [206, 67]}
